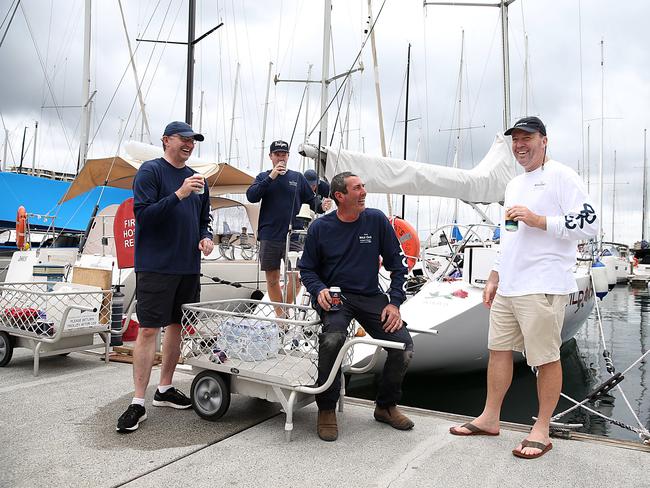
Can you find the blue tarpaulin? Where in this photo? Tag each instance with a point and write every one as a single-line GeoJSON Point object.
{"type": "Point", "coordinates": [40, 196]}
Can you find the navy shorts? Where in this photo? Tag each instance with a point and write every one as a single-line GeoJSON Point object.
{"type": "Point", "coordinates": [272, 252]}
{"type": "Point", "coordinates": [160, 297]}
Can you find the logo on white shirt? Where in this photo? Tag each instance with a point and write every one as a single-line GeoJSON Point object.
{"type": "Point", "coordinates": [539, 186]}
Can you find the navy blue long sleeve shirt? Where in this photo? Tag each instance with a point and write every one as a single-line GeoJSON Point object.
{"type": "Point", "coordinates": [346, 254]}
{"type": "Point", "coordinates": [323, 189]}
{"type": "Point", "coordinates": [322, 192]}
{"type": "Point", "coordinates": [281, 199]}
{"type": "Point", "coordinates": [168, 230]}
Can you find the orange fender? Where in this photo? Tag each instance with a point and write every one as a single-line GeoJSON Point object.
{"type": "Point", "coordinates": [21, 228]}
{"type": "Point", "coordinates": [408, 239]}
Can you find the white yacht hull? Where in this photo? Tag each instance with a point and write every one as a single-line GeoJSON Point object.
{"type": "Point", "coordinates": [462, 326]}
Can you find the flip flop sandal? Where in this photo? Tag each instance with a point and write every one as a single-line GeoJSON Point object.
{"type": "Point", "coordinates": [473, 430]}
{"type": "Point", "coordinates": [544, 448]}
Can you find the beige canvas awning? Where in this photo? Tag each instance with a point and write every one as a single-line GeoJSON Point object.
{"type": "Point", "coordinates": [118, 172]}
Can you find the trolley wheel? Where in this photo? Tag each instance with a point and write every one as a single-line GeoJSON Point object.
{"type": "Point", "coordinates": [210, 395]}
{"type": "Point", "coordinates": [6, 348]}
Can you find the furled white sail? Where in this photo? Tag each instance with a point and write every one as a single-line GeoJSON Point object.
{"type": "Point", "coordinates": [485, 183]}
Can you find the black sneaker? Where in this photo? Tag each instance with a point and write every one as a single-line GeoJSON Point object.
{"type": "Point", "coordinates": [130, 420]}
{"type": "Point", "coordinates": [171, 398]}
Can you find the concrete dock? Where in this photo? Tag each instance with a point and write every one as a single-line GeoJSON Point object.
{"type": "Point", "coordinates": [58, 429]}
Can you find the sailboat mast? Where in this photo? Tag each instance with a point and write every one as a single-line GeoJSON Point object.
{"type": "Point", "coordinates": [614, 197]}
{"type": "Point", "coordinates": [34, 148]}
{"type": "Point", "coordinates": [380, 113]}
{"type": "Point", "coordinates": [4, 150]}
{"type": "Point", "coordinates": [588, 159]}
{"type": "Point", "coordinates": [191, 24]}
{"type": "Point", "coordinates": [232, 119]}
{"type": "Point", "coordinates": [460, 113]}
{"type": "Point", "coordinates": [325, 71]}
{"type": "Point", "coordinates": [145, 122]}
{"type": "Point", "coordinates": [602, 142]}
{"type": "Point", "coordinates": [645, 186]}
{"type": "Point", "coordinates": [505, 51]}
{"type": "Point", "coordinates": [85, 90]}
{"type": "Point", "coordinates": [302, 160]}
{"type": "Point", "coordinates": [506, 63]}
{"type": "Point", "coordinates": [406, 119]}
{"type": "Point", "coordinates": [266, 111]}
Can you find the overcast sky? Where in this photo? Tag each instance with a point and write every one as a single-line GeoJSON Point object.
{"type": "Point", "coordinates": [289, 34]}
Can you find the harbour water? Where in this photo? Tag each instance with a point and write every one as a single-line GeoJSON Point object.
{"type": "Point", "coordinates": [626, 331]}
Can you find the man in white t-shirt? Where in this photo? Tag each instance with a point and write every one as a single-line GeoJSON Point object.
{"type": "Point", "coordinates": [547, 211]}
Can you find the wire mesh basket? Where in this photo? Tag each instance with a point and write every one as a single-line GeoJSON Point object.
{"type": "Point", "coordinates": [45, 308]}
{"type": "Point", "coordinates": [259, 339]}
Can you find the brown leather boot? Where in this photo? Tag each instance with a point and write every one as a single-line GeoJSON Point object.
{"type": "Point", "coordinates": [393, 417]}
{"type": "Point", "coordinates": [327, 427]}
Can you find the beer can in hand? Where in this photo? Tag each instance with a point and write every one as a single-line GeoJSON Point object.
{"type": "Point", "coordinates": [335, 295]}
{"type": "Point", "coordinates": [512, 225]}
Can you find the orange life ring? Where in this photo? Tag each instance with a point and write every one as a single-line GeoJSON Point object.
{"type": "Point", "coordinates": [408, 239]}
{"type": "Point", "coordinates": [21, 228]}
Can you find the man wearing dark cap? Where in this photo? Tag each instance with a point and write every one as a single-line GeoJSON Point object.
{"type": "Point", "coordinates": [320, 188]}
{"type": "Point", "coordinates": [172, 215]}
{"type": "Point", "coordinates": [282, 191]}
{"type": "Point", "coordinates": [547, 212]}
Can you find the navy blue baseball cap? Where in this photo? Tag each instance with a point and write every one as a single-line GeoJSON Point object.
{"type": "Point", "coordinates": [528, 124]}
{"type": "Point", "coordinates": [277, 146]}
{"type": "Point", "coordinates": [182, 129]}
{"type": "Point", "coordinates": [311, 176]}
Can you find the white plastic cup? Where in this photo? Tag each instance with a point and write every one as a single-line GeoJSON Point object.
{"type": "Point", "coordinates": [202, 190]}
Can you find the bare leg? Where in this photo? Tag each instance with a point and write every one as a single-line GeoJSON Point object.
{"type": "Point", "coordinates": [499, 378]}
{"type": "Point", "coordinates": [170, 352]}
{"type": "Point", "coordinates": [143, 355]}
{"type": "Point", "coordinates": [274, 289]}
{"type": "Point", "coordinates": [293, 285]}
{"type": "Point", "coordinates": [549, 386]}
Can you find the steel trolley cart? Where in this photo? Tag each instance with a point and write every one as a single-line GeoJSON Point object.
{"type": "Point", "coordinates": [52, 318]}
{"type": "Point", "coordinates": [241, 346]}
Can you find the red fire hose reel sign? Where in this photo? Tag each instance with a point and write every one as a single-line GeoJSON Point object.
{"type": "Point", "coordinates": [124, 232]}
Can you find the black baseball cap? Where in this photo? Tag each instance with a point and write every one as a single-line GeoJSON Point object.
{"type": "Point", "coordinates": [528, 124]}
{"type": "Point", "coordinates": [277, 146]}
{"type": "Point", "coordinates": [311, 176]}
{"type": "Point", "coordinates": [182, 129]}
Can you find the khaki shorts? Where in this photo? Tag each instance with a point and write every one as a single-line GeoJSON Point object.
{"type": "Point", "coordinates": [530, 323]}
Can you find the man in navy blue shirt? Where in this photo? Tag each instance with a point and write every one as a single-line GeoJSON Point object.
{"type": "Point", "coordinates": [282, 192]}
{"type": "Point", "coordinates": [320, 188]}
{"type": "Point", "coordinates": [342, 249]}
{"type": "Point", "coordinates": [172, 216]}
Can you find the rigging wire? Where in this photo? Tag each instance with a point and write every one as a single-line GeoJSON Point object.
{"type": "Point", "coordinates": [356, 59]}
{"type": "Point", "coordinates": [47, 80]}
{"type": "Point", "coordinates": [397, 112]}
{"type": "Point", "coordinates": [10, 21]}
{"type": "Point", "coordinates": [126, 69]}
{"type": "Point", "coordinates": [295, 125]}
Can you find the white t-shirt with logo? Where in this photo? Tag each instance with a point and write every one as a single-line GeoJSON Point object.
{"type": "Point", "coordinates": [533, 260]}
